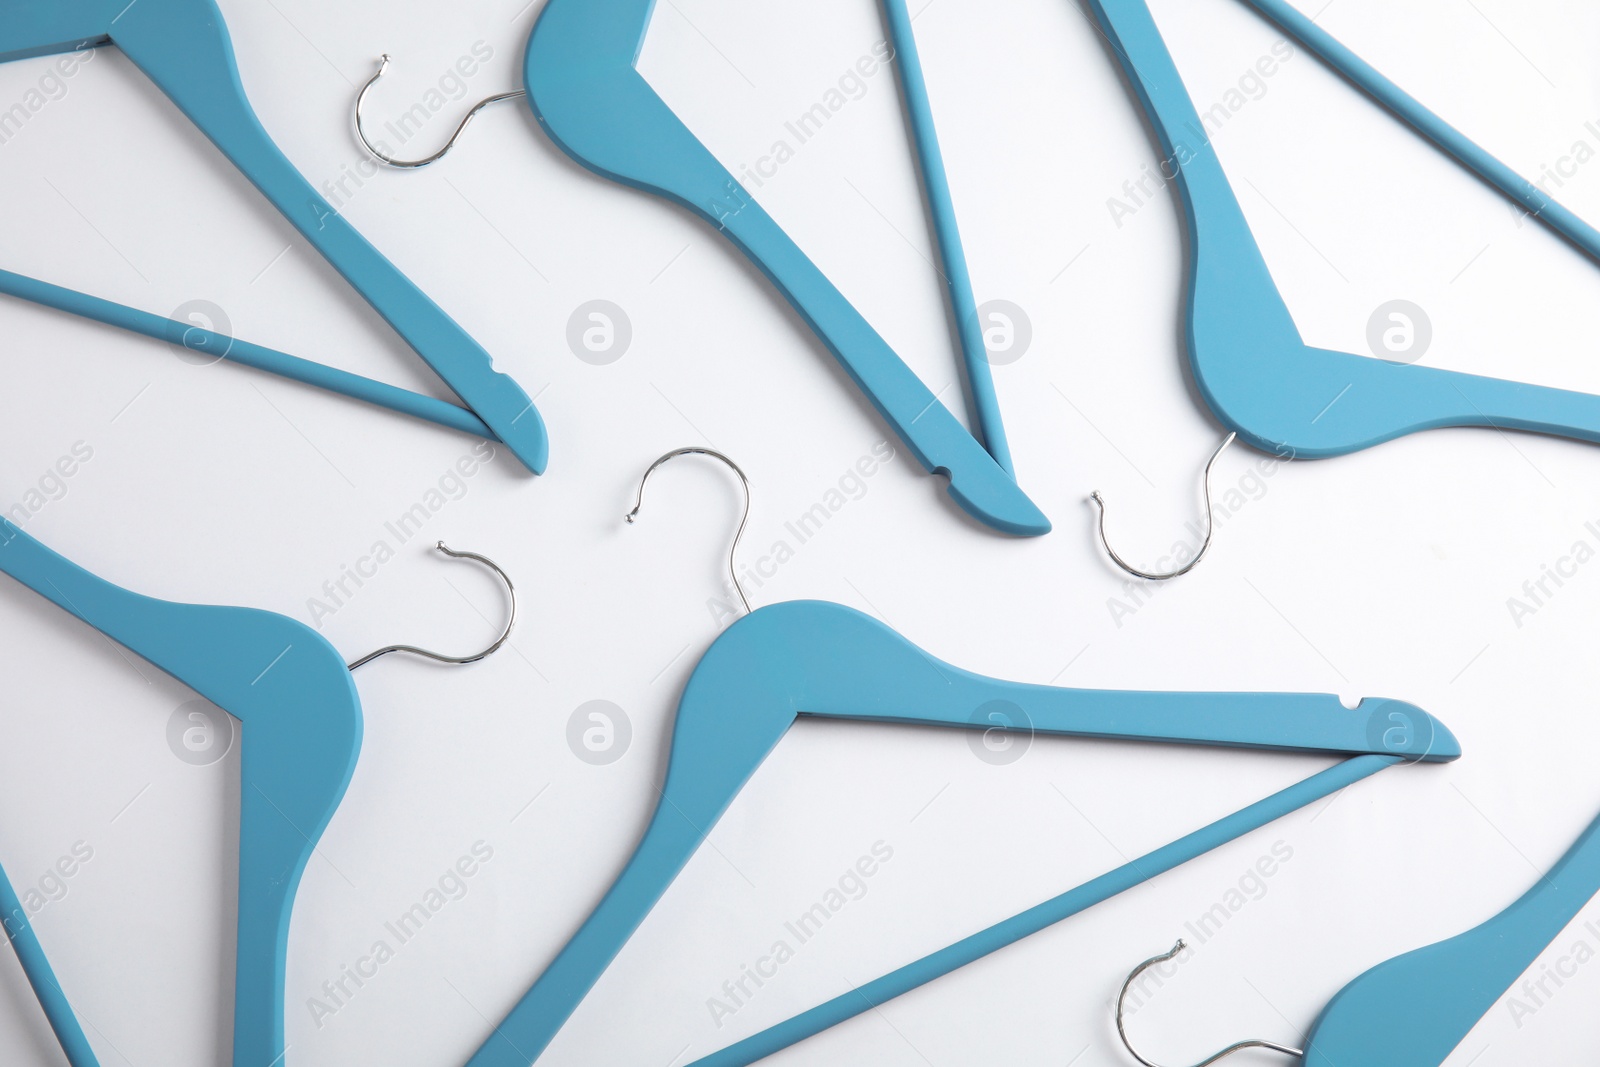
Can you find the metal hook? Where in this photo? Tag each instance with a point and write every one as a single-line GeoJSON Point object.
{"type": "Point", "coordinates": [1204, 545]}
{"type": "Point", "coordinates": [1240, 1046]}
{"type": "Point", "coordinates": [505, 635]}
{"type": "Point", "coordinates": [411, 164]}
{"type": "Point", "coordinates": [733, 551]}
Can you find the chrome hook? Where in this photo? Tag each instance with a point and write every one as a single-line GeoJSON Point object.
{"type": "Point", "coordinates": [505, 635]}
{"type": "Point", "coordinates": [1204, 545]}
{"type": "Point", "coordinates": [412, 164]}
{"type": "Point", "coordinates": [1239, 1046]}
{"type": "Point", "coordinates": [734, 550]}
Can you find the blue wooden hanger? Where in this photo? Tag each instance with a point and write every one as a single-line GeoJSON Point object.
{"type": "Point", "coordinates": [588, 96]}
{"type": "Point", "coordinates": [586, 92]}
{"type": "Point", "coordinates": [824, 660]}
{"type": "Point", "coordinates": [302, 733]}
{"type": "Point", "coordinates": [1414, 1010]}
{"type": "Point", "coordinates": [1252, 367]}
{"type": "Point", "coordinates": [183, 47]}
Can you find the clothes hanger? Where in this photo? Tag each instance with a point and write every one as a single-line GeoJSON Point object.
{"type": "Point", "coordinates": [1248, 359]}
{"type": "Point", "coordinates": [812, 658]}
{"type": "Point", "coordinates": [1414, 1010]}
{"type": "Point", "coordinates": [302, 734]}
{"type": "Point", "coordinates": [184, 48]}
{"type": "Point", "coordinates": [585, 91]}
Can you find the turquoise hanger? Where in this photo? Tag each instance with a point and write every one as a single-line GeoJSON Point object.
{"type": "Point", "coordinates": [1258, 376]}
{"type": "Point", "coordinates": [1414, 1010]}
{"type": "Point", "coordinates": [586, 92]}
{"type": "Point", "coordinates": [302, 734]}
{"type": "Point", "coordinates": [811, 658]}
{"type": "Point", "coordinates": [183, 46]}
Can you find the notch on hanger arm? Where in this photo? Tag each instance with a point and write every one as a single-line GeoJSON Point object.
{"type": "Point", "coordinates": [184, 48]}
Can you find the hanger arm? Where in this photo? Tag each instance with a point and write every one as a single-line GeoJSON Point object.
{"type": "Point", "coordinates": [42, 978]}
{"type": "Point", "coordinates": [671, 838]}
{"type": "Point", "coordinates": [1412, 1011]}
{"type": "Point", "coordinates": [298, 752]}
{"type": "Point", "coordinates": [841, 663]}
{"type": "Point", "coordinates": [246, 354]}
{"type": "Point", "coordinates": [183, 46]}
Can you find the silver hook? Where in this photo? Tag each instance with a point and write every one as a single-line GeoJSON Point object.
{"type": "Point", "coordinates": [505, 635]}
{"type": "Point", "coordinates": [1239, 1046]}
{"type": "Point", "coordinates": [1204, 545]}
{"type": "Point", "coordinates": [733, 551]}
{"type": "Point", "coordinates": [411, 164]}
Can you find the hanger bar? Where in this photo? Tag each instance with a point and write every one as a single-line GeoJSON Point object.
{"type": "Point", "coordinates": [880, 991]}
{"type": "Point", "coordinates": [1447, 138]}
{"type": "Point", "coordinates": [990, 426]}
{"type": "Point", "coordinates": [206, 342]}
{"type": "Point", "coordinates": [43, 979]}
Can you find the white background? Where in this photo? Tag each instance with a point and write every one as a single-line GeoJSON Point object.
{"type": "Point", "coordinates": [1380, 574]}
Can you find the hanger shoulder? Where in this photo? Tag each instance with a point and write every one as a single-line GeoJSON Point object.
{"type": "Point", "coordinates": [1249, 360]}
{"type": "Point", "coordinates": [301, 737]}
